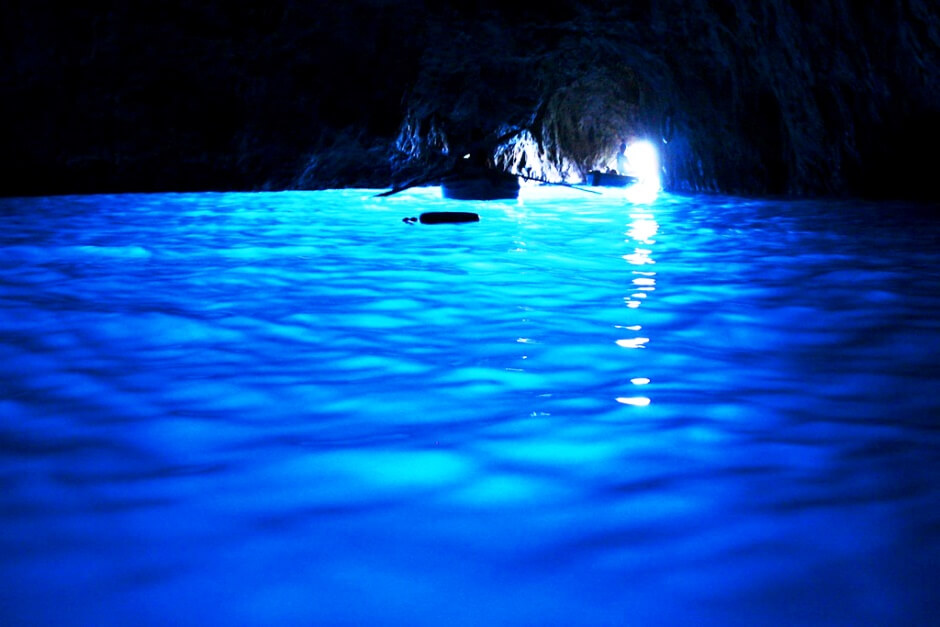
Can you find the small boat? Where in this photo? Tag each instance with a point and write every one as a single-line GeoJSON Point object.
{"type": "Point", "coordinates": [610, 179]}
{"type": "Point", "coordinates": [489, 185]}
{"type": "Point", "coordinates": [448, 217]}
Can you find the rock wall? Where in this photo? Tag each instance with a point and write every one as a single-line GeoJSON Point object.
{"type": "Point", "coordinates": [802, 98]}
{"type": "Point", "coordinates": [176, 95]}
{"type": "Point", "coordinates": [796, 97]}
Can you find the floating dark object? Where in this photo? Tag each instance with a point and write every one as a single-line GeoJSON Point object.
{"type": "Point", "coordinates": [610, 179]}
{"type": "Point", "coordinates": [488, 186]}
{"type": "Point", "coordinates": [448, 217]}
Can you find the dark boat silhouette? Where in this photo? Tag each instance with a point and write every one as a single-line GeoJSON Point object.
{"type": "Point", "coordinates": [610, 179]}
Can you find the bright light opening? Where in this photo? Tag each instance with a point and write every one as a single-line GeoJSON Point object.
{"type": "Point", "coordinates": [643, 163]}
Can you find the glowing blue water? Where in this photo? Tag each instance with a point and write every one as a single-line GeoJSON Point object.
{"type": "Point", "coordinates": [296, 408]}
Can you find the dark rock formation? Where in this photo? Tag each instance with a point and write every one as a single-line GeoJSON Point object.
{"type": "Point", "coordinates": [182, 95]}
{"type": "Point", "coordinates": [826, 97]}
{"type": "Point", "coordinates": [773, 97]}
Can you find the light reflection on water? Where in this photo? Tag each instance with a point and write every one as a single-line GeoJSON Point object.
{"type": "Point", "coordinates": [296, 408]}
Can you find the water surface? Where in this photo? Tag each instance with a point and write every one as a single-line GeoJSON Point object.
{"type": "Point", "coordinates": [296, 408]}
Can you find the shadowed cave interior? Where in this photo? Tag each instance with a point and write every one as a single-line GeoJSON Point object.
{"type": "Point", "coordinates": [782, 97]}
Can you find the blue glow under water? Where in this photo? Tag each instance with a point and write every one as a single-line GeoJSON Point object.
{"type": "Point", "coordinates": [295, 408]}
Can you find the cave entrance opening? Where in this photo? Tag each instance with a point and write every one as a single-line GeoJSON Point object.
{"type": "Point", "coordinates": [633, 157]}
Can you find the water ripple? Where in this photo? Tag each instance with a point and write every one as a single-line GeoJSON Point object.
{"type": "Point", "coordinates": [298, 408]}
